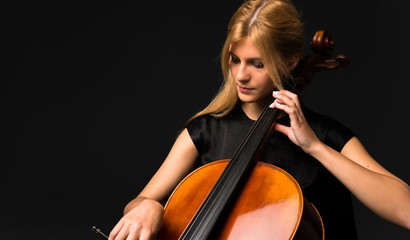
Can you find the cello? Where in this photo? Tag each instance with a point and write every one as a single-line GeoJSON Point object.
{"type": "Point", "coordinates": [242, 197]}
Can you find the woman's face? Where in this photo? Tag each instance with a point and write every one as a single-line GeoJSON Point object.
{"type": "Point", "coordinates": [251, 77]}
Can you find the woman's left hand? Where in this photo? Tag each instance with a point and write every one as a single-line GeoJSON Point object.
{"type": "Point", "coordinates": [299, 131]}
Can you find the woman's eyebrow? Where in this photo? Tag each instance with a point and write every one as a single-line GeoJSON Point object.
{"type": "Point", "coordinates": [232, 54]}
{"type": "Point", "coordinates": [247, 59]}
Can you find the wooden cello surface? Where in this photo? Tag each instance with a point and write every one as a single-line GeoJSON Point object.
{"type": "Point", "coordinates": [242, 198]}
{"type": "Point", "coordinates": [270, 206]}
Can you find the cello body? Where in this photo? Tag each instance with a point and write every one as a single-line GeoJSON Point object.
{"type": "Point", "coordinates": [270, 205]}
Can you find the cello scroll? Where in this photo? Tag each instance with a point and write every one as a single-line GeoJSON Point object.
{"type": "Point", "coordinates": [323, 46]}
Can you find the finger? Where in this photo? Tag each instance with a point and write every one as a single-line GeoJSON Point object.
{"type": "Point", "coordinates": [281, 128]}
{"type": "Point", "coordinates": [132, 235]}
{"type": "Point", "coordinates": [114, 232]}
{"type": "Point", "coordinates": [125, 233]}
{"type": "Point", "coordinates": [283, 99]}
{"type": "Point", "coordinates": [287, 98]}
{"type": "Point", "coordinates": [296, 117]}
{"type": "Point", "coordinates": [146, 235]}
{"type": "Point", "coordinates": [277, 104]}
{"type": "Point", "coordinates": [289, 103]}
{"type": "Point", "coordinates": [286, 93]}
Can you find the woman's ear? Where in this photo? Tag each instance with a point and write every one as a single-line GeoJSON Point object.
{"type": "Point", "coordinates": [293, 61]}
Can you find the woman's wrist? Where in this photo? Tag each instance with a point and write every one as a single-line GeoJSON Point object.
{"type": "Point", "coordinates": [315, 149]}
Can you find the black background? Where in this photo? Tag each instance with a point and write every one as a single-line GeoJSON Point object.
{"type": "Point", "coordinates": [98, 92]}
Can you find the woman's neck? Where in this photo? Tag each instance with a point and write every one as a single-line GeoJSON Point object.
{"type": "Point", "coordinates": [253, 110]}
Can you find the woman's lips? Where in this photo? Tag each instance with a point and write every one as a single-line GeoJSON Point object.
{"type": "Point", "coordinates": [245, 89]}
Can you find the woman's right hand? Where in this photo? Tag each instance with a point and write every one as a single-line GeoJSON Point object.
{"type": "Point", "coordinates": [143, 216]}
{"type": "Point", "coordinates": [143, 222]}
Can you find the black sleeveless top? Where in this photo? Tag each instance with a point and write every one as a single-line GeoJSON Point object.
{"type": "Point", "coordinates": [218, 138]}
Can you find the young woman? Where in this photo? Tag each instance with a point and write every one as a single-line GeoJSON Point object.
{"type": "Point", "coordinates": [264, 43]}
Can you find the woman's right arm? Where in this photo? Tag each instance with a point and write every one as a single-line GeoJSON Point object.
{"type": "Point", "coordinates": [143, 215]}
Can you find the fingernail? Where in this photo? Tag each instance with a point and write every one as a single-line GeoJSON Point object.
{"type": "Point", "coordinates": [275, 92]}
{"type": "Point", "coordinates": [272, 105]}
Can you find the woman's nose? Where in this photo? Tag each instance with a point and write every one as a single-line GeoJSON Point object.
{"type": "Point", "coordinates": [242, 74]}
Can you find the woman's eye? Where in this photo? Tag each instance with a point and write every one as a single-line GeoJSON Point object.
{"type": "Point", "coordinates": [234, 60]}
{"type": "Point", "coordinates": [258, 64]}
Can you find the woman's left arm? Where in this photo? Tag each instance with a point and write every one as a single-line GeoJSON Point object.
{"type": "Point", "coordinates": [381, 191]}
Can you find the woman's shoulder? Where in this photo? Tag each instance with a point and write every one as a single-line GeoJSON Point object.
{"type": "Point", "coordinates": [319, 120]}
{"type": "Point", "coordinates": [218, 136]}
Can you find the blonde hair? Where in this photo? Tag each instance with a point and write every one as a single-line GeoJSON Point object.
{"type": "Point", "coordinates": [275, 28]}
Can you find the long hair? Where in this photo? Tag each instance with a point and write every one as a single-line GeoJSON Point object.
{"type": "Point", "coordinates": [275, 28]}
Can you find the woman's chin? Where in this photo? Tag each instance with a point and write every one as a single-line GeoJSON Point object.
{"type": "Point", "coordinates": [247, 99]}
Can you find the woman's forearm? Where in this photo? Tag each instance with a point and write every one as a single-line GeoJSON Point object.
{"type": "Point", "coordinates": [385, 195]}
